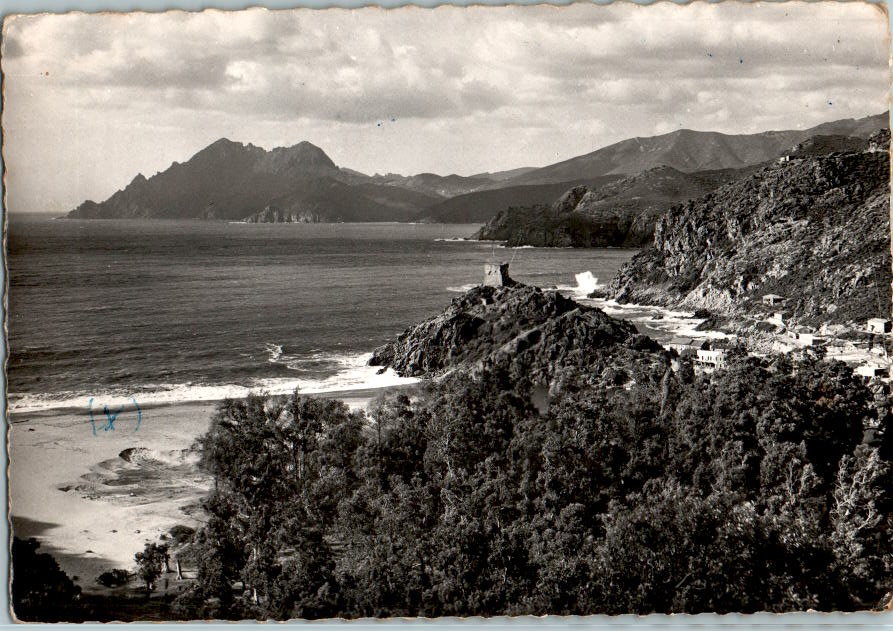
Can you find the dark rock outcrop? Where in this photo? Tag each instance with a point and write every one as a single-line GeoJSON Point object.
{"type": "Point", "coordinates": [520, 324]}
{"type": "Point", "coordinates": [814, 230]}
{"type": "Point", "coordinates": [274, 214]}
{"type": "Point", "coordinates": [621, 213]}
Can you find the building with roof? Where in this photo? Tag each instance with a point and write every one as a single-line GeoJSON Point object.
{"type": "Point", "coordinates": [773, 300]}
{"type": "Point", "coordinates": [711, 359]}
{"type": "Point", "coordinates": [872, 370]}
{"type": "Point", "coordinates": [684, 345]}
{"type": "Point", "coordinates": [878, 325]}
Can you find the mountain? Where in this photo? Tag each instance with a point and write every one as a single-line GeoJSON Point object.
{"type": "Point", "coordinates": [234, 181]}
{"type": "Point", "coordinates": [814, 230]}
{"type": "Point", "coordinates": [481, 206]}
{"type": "Point", "coordinates": [687, 150]}
{"type": "Point", "coordinates": [433, 184]}
{"type": "Point", "coordinates": [230, 180]}
{"type": "Point", "coordinates": [501, 176]}
{"type": "Point", "coordinates": [620, 213]}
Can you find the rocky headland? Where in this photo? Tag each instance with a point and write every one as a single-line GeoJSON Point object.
{"type": "Point", "coordinates": [814, 230]}
{"type": "Point", "coordinates": [537, 333]}
{"type": "Point", "coordinates": [621, 213]}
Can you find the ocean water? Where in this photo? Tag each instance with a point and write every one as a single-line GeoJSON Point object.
{"type": "Point", "coordinates": [175, 311]}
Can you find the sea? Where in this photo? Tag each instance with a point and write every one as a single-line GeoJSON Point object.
{"type": "Point", "coordinates": [172, 311]}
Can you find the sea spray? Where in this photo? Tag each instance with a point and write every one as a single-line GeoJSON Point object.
{"type": "Point", "coordinates": [586, 283]}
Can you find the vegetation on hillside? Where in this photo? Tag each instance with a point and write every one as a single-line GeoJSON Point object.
{"type": "Point", "coordinates": [746, 490]}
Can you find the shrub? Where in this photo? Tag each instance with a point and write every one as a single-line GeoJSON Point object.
{"type": "Point", "coordinates": [113, 578]}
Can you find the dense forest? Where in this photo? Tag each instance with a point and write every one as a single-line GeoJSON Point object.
{"type": "Point", "coordinates": [753, 488]}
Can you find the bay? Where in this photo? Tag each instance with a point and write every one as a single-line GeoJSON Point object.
{"type": "Point", "coordinates": [187, 310]}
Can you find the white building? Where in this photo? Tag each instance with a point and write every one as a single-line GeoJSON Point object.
{"type": "Point", "coordinates": [684, 345]}
{"type": "Point", "coordinates": [878, 325]}
{"type": "Point", "coordinates": [872, 370]}
{"type": "Point", "coordinates": [711, 359]}
{"type": "Point", "coordinates": [773, 300]}
{"type": "Point", "coordinates": [808, 339]}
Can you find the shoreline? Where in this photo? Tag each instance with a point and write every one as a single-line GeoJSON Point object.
{"type": "Point", "coordinates": [93, 501]}
{"type": "Point", "coordinates": [350, 394]}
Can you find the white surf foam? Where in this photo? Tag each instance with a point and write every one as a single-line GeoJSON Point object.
{"type": "Point", "coordinates": [586, 284]}
{"type": "Point", "coordinates": [352, 373]}
{"type": "Point", "coordinates": [461, 289]}
{"type": "Point", "coordinates": [275, 352]}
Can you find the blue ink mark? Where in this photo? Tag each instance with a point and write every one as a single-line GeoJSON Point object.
{"type": "Point", "coordinates": [92, 420]}
{"type": "Point", "coordinates": [139, 415]}
{"type": "Point", "coordinates": [740, 60]}
{"type": "Point", "coordinates": [393, 120]}
{"type": "Point", "coordinates": [111, 418]}
{"type": "Point", "coordinates": [710, 54]}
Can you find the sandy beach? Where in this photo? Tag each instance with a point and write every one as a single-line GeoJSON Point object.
{"type": "Point", "coordinates": [95, 500]}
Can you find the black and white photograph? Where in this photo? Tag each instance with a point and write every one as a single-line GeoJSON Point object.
{"type": "Point", "coordinates": [448, 312]}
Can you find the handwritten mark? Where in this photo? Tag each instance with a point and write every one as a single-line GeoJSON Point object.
{"type": "Point", "coordinates": [112, 417]}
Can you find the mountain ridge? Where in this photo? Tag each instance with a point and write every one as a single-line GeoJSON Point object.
{"type": "Point", "coordinates": [690, 150]}
{"type": "Point", "coordinates": [234, 181]}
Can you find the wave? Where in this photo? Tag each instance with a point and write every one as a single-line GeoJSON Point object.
{"type": "Point", "coordinates": [351, 372]}
{"type": "Point", "coordinates": [586, 284]}
{"type": "Point", "coordinates": [274, 351]}
{"type": "Point", "coordinates": [461, 289]}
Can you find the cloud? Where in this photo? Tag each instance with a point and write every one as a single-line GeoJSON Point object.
{"type": "Point", "coordinates": [473, 89]}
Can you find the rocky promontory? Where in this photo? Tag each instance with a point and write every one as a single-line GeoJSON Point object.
{"type": "Point", "coordinates": [813, 230]}
{"type": "Point", "coordinates": [541, 331]}
{"type": "Point", "coordinates": [617, 214]}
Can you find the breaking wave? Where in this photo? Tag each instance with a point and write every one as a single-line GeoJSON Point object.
{"type": "Point", "coordinates": [316, 373]}
{"type": "Point", "coordinates": [586, 284]}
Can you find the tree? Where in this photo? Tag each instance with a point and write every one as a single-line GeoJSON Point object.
{"type": "Point", "coordinates": [150, 563]}
{"type": "Point", "coordinates": [41, 591]}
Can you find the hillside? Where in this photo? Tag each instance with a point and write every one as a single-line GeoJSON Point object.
{"type": "Point", "coordinates": [481, 206]}
{"type": "Point", "coordinates": [687, 150]}
{"type": "Point", "coordinates": [438, 186]}
{"type": "Point", "coordinates": [620, 213]}
{"type": "Point", "coordinates": [815, 230]}
{"type": "Point", "coordinates": [229, 180]}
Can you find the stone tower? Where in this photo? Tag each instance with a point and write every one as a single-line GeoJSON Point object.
{"type": "Point", "coordinates": [496, 275]}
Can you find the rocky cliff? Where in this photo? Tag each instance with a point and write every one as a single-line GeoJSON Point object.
{"type": "Point", "coordinates": [815, 230]}
{"type": "Point", "coordinates": [618, 213]}
{"type": "Point", "coordinates": [540, 330]}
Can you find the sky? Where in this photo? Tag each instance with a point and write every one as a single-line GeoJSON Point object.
{"type": "Point", "coordinates": [90, 100]}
